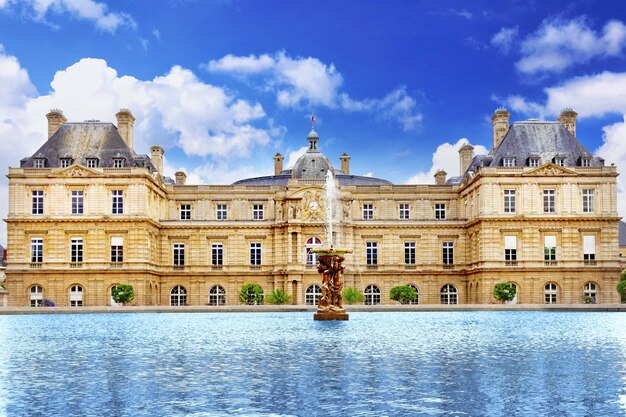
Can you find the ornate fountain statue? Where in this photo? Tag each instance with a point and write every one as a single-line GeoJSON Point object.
{"type": "Point", "coordinates": [330, 303]}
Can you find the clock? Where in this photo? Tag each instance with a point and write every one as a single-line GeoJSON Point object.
{"type": "Point", "coordinates": [313, 205]}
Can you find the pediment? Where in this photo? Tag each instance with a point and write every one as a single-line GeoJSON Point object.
{"type": "Point", "coordinates": [550, 170]}
{"type": "Point", "coordinates": [76, 171]}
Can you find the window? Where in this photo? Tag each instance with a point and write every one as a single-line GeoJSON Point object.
{"type": "Point", "coordinates": [533, 162]}
{"type": "Point", "coordinates": [509, 201]}
{"type": "Point", "coordinates": [447, 253]}
{"type": "Point", "coordinates": [312, 294]}
{"type": "Point", "coordinates": [36, 250]}
{"type": "Point", "coordinates": [217, 254]}
{"type": "Point", "coordinates": [37, 202]}
{"type": "Point", "coordinates": [118, 162]}
{"type": "Point", "coordinates": [372, 295]}
{"type": "Point", "coordinates": [440, 211]}
{"type": "Point", "coordinates": [548, 201]}
{"type": "Point", "coordinates": [36, 296]}
{"type": "Point", "coordinates": [117, 202]}
{"type": "Point", "coordinates": [178, 296]}
{"type": "Point", "coordinates": [217, 296]}
{"type": "Point", "coordinates": [371, 253]}
{"type": "Point", "coordinates": [585, 162]}
{"type": "Point", "coordinates": [404, 212]}
{"type": "Point", "coordinates": [77, 202]}
{"type": "Point", "coordinates": [76, 250]}
{"type": "Point", "coordinates": [589, 247]}
{"type": "Point", "coordinates": [550, 293]}
{"type": "Point", "coordinates": [76, 296]}
{"type": "Point", "coordinates": [590, 292]}
{"type": "Point", "coordinates": [39, 163]}
{"type": "Point", "coordinates": [255, 253]}
{"type": "Point", "coordinates": [257, 212]}
{"type": "Point", "coordinates": [222, 212]}
{"type": "Point", "coordinates": [510, 248]}
{"type": "Point", "coordinates": [185, 211]}
{"type": "Point", "coordinates": [92, 163]}
{"type": "Point", "coordinates": [368, 211]}
{"type": "Point", "coordinates": [588, 200]}
{"type": "Point", "coordinates": [559, 161]}
{"type": "Point", "coordinates": [508, 162]}
{"type": "Point", "coordinates": [312, 243]}
{"type": "Point", "coordinates": [416, 300]}
{"type": "Point", "coordinates": [117, 249]}
{"type": "Point", "coordinates": [549, 248]}
{"type": "Point", "coordinates": [179, 254]}
{"type": "Point", "coordinates": [448, 294]}
{"type": "Point", "coordinates": [409, 253]}
{"type": "Point", "coordinates": [66, 162]}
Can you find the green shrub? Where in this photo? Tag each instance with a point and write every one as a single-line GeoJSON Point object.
{"type": "Point", "coordinates": [123, 294]}
{"type": "Point", "coordinates": [622, 276]}
{"type": "Point", "coordinates": [251, 294]}
{"type": "Point", "coordinates": [404, 294]}
{"type": "Point", "coordinates": [278, 297]}
{"type": "Point", "coordinates": [504, 291]}
{"type": "Point", "coordinates": [621, 289]}
{"type": "Point", "coordinates": [352, 296]}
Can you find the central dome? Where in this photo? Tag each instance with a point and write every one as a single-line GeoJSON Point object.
{"type": "Point", "coordinates": [313, 164]}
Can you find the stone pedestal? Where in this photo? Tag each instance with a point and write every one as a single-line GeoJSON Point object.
{"type": "Point", "coordinates": [330, 316]}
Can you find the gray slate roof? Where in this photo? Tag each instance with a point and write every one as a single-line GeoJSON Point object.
{"type": "Point", "coordinates": [622, 233]}
{"type": "Point", "coordinates": [283, 179]}
{"type": "Point", "coordinates": [81, 141]}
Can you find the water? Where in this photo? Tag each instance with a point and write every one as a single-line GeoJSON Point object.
{"type": "Point", "coordinates": [331, 210]}
{"type": "Point", "coordinates": [286, 364]}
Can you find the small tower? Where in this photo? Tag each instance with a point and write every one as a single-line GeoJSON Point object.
{"type": "Point", "coordinates": [156, 156]}
{"type": "Point", "coordinates": [440, 177]}
{"type": "Point", "coordinates": [278, 163]}
{"type": "Point", "coordinates": [313, 138]}
{"type": "Point", "coordinates": [345, 163]}
{"type": "Point", "coordinates": [500, 121]}
{"type": "Point", "coordinates": [181, 178]}
{"type": "Point", "coordinates": [568, 120]}
{"type": "Point", "coordinates": [465, 157]}
{"type": "Point", "coordinates": [55, 121]}
{"type": "Point", "coordinates": [125, 123]}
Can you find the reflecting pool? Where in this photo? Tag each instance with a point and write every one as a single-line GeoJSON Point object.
{"type": "Point", "coordinates": [286, 364]}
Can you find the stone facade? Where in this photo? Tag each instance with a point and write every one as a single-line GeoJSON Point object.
{"type": "Point", "coordinates": [198, 244]}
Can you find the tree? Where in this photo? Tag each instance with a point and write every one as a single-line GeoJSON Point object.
{"type": "Point", "coordinates": [504, 291]}
{"type": "Point", "coordinates": [351, 295]}
{"type": "Point", "coordinates": [404, 294]}
{"type": "Point", "coordinates": [278, 297]}
{"type": "Point", "coordinates": [621, 286]}
{"type": "Point", "coordinates": [123, 293]}
{"type": "Point", "coordinates": [251, 294]}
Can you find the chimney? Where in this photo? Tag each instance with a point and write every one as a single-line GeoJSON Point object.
{"type": "Point", "coordinates": [465, 157]}
{"type": "Point", "coordinates": [500, 120]}
{"type": "Point", "coordinates": [440, 177]}
{"type": "Point", "coordinates": [55, 121]}
{"type": "Point", "coordinates": [278, 163]}
{"type": "Point", "coordinates": [125, 122]}
{"type": "Point", "coordinates": [345, 163]}
{"type": "Point", "coordinates": [568, 120]}
{"type": "Point", "coordinates": [181, 177]}
{"type": "Point", "coordinates": [156, 156]}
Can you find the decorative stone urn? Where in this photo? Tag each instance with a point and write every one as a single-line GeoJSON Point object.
{"type": "Point", "coordinates": [330, 303]}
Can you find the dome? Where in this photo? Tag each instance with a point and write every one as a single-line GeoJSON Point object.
{"type": "Point", "coordinates": [312, 165]}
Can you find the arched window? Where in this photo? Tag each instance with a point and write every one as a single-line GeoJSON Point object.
{"type": "Point", "coordinates": [217, 296]}
{"type": "Point", "coordinates": [417, 295]}
{"type": "Point", "coordinates": [312, 294]}
{"type": "Point", "coordinates": [312, 243]}
{"type": "Point", "coordinates": [550, 292]}
{"type": "Point", "coordinates": [514, 300]}
{"type": "Point", "coordinates": [590, 292]}
{"type": "Point", "coordinates": [449, 294]}
{"type": "Point", "coordinates": [372, 295]}
{"type": "Point", "coordinates": [36, 296]}
{"type": "Point", "coordinates": [178, 296]}
{"type": "Point", "coordinates": [76, 296]}
{"type": "Point", "coordinates": [113, 303]}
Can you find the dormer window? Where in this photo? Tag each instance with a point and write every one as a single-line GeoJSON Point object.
{"type": "Point", "coordinates": [66, 162]}
{"type": "Point", "coordinates": [39, 163]}
{"type": "Point", "coordinates": [92, 162]}
{"type": "Point", "coordinates": [585, 162]}
{"type": "Point", "coordinates": [118, 162]}
{"type": "Point", "coordinates": [508, 162]}
{"type": "Point", "coordinates": [533, 162]}
{"type": "Point", "coordinates": [559, 161]}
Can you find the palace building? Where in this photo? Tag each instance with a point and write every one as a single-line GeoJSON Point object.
{"type": "Point", "coordinates": [87, 213]}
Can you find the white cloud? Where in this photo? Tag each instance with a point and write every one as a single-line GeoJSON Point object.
{"type": "Point", "coordinates": [446, 157]}
{"type": "Point", "coordinates": [558, 44]}
{"type": "Point", "coordinates": [157, 34]}
{"type": "Point", "coordinates": [298, 82]}
{"type": "Point", "coordinates": [613, 150]}
{"type": "Point", "coordinates": [90, 10]}
{"type": "Point", "coordinates": [520, 104]}
{"type": "Point", "coordinates": [504, 39]}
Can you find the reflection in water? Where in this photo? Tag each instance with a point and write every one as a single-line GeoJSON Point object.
{"type": "Point", "coordinates": [413, 364]}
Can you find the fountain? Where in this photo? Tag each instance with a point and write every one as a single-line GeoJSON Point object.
{"type": "Point", "coordinates": [330, 303]}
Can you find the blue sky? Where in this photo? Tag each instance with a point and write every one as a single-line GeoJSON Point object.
{"type": "Point", "coordinates": [398, 85]}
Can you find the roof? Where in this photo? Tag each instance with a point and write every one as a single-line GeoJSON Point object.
{"type": "Point", "coordinates": [82, 141]}
{"type": "Point", "coordinates": [283, 180]}
{"type": "Point", "coordinates": [622, 233]}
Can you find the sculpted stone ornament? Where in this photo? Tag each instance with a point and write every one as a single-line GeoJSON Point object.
{"type": "Point", "coordinates": [330, 303]}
